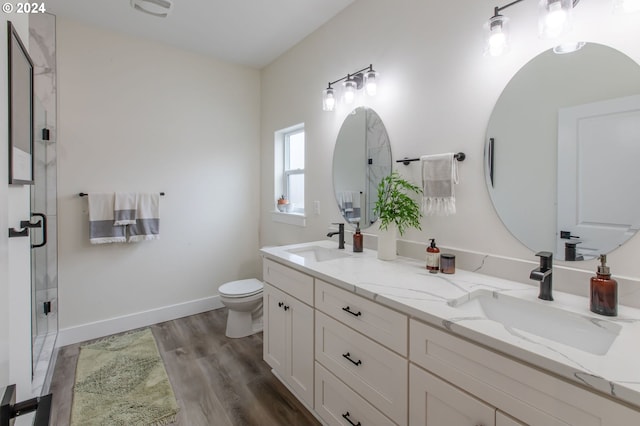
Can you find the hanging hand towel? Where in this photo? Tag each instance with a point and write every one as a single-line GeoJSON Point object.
{"type": "Point", "coordinates": [147, 225]}
{"type": "Point", "coordinates": [439, 174]}
{"type": "Point", "coordinates": [125, 208]}
{"type": "Point", "coordinates": [101, 218]}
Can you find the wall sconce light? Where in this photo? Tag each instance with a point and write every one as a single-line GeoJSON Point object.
{"type": "Point", "coordinates": [554, 22]}
{"type": "Point", "coordinates": [351, 83]}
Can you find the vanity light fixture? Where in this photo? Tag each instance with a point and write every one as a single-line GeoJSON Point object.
{"type": "Point", "coordinates": [366, 78]}
{"type": "Point", "coordinates": [554, 22]}
{"type": "Point", "coordinates": [158, 8]}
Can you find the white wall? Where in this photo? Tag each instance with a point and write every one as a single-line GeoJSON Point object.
{"type": "Point", "coordinates": [436, 94]}
{"type": "Point", "coordinates": [135, 115]}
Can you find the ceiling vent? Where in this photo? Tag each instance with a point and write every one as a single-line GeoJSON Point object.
{"type": "Point", "coordinates": [159, 8]}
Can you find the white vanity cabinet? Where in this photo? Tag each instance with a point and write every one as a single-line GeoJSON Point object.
{"type": "Point", "coordinates": [524, 393]}
{"type": "Point", "coordinates": [355, 361]}
{"type": "Point", "coordinates": [288, 327]}
{"type": "Point", "coordinates": [354, 341]}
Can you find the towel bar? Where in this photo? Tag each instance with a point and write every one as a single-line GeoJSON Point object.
{"type": "Point", "coordinates": [84, 194]}
{"type": "Point", "coordinates": [459, 156]}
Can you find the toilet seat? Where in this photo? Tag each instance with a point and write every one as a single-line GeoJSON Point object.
{"type": "Point", "coordinates": [241, 288]}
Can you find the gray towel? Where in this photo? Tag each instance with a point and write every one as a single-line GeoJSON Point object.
{"type": "Point", "coordinates": [101, 218]}
{"type": "Point", "coordinates": [147, 225]}
{"type": "Point", "coordinates": [439, 174]}
{"type": "Point", "coordinates": [125, 208]}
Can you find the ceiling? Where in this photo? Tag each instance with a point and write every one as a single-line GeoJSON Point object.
{"type": "Point", "coordinates": [248, 32]}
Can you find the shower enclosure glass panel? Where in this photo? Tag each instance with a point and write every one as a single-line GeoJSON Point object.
{"type": "Point", "coordinates": [44, 255]}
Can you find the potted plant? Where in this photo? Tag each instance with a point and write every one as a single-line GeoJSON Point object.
{"type": "Point", "coordinates": [396, 210]}
{"type": "Point", "coordinates": [283, 204]}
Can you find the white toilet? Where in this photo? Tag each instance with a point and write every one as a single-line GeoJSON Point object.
{"type": "Point", "coordinates": [243, 298]}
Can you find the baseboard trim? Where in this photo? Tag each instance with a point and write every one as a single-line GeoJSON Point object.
{"type": "Point", "coordinates": [94, 330]}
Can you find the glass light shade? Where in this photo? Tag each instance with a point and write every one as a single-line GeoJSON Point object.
{"type": "Point", "coordinates": [568, 47]}
{"type": "Point", "coordinates": [554, 18]}
{"type": "Point", "coordinates": [626, 6]}
{"type": "Point", "coordinates": [371, 82]}
{"type": "Point", "coordinates": [497, 34]}
{"type": "Point", "coordinates": [328, 99]}
{"type": "Point", "coordinates": [350, 87]}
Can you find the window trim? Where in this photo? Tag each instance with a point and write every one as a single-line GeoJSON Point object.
{"type": "Point", "coordinates": [282, 175]}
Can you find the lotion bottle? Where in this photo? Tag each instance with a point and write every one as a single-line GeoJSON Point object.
{"type": "Point", "coordinates": [357, 240]}
{"type": "Point", "coordinates": [433, 257]}
{"type": "Point", "coordinates": [604, 290]}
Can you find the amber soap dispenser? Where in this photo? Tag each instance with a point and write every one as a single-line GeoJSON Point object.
{"type": "Point", "coordinates": [604, 290]}
{"type": "Point", "coordinates": [357, 240]}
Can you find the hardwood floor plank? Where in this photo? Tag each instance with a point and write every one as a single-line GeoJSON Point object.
{"type": "Point", "coordinates": [216, 380]}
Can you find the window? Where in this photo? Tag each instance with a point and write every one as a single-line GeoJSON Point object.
{"type": "Point", "coordinates": [289, 166]}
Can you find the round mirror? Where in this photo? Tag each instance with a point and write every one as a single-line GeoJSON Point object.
{"type": "Point", "coordinates": [361, 158]}
{"type": "Point", "coordinates": [561, 152]}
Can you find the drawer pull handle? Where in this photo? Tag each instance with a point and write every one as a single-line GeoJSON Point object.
{"type": "Point", "coordinates": [280, 304]}
{"type": "Point", "coordinates": [348, 356]}
{"type": "Point", "coordinates": [348, 310]}
{"type": "Point", "coordinates": [286, 308]}
{"type": "Point", "coordinates": [346, 417]}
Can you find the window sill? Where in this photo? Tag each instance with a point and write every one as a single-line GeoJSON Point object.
{"type": "Point", "coordinates": [298, 219]}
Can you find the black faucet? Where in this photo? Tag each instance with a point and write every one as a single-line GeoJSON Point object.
{"type": "Point", "coordinates": [543, 274]}
{"type": "Point", "coordinates": [340, 236]}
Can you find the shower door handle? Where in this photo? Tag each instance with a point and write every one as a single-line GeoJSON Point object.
{"type": "Point", "coordinates": [44, 229]}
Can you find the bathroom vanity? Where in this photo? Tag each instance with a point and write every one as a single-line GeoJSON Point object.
{"type": "Point", "coordinates": [364, 341]}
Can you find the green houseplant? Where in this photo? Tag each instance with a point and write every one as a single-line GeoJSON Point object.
{"type": "Point", "coordinates": [396, 209]}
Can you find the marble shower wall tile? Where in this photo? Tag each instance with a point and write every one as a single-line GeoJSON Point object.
{"type": "Point", "coordinates": [42, 49]}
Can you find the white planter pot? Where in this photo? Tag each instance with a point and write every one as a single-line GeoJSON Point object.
{"type": "Point", "coordinates": [387, 243]}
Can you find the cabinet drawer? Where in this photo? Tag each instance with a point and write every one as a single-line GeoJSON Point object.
{"type": "Point", "coordinates": [337, 404]}
{"type": "Point", "coordinates": [525, 393]}
{"type": "Point", "coordinates": [289, 280]}
{"type": "Point", "coordinates": [379, 323]}
{"type": "Point", "coordinates": [373, 371]}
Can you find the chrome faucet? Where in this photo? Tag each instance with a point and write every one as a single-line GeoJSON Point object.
{"type": "Point", "coordinates": [340, 235]}
{"type": "Point", "coordinates": [543, 274]}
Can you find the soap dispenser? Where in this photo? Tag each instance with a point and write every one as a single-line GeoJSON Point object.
{"type": "Point", "coordinates": [357, 240]}
{"type": "Point", "coordinates": [604, 290]}
{"type": "Point", "coordinates": [433, 257]}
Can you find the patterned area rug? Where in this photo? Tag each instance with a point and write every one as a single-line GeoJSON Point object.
{"type": "Point", "coordinates": [121, 380]}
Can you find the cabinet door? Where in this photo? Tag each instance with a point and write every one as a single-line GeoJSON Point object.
{"type": "Point", "coordinates": [274, 335]}
{"type": "Point", "coordinates": [433, 402]}
{"type": "Point", "coordinates": [504, 420]}
{"type": "Point", "coordinates": [300, 355]}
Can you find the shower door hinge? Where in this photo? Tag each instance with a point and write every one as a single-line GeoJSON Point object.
{"type": "Point", "coordinates": [47, 307]}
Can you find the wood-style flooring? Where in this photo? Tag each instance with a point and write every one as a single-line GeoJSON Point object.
{"type": "Point", "coordinates": [216, 380]}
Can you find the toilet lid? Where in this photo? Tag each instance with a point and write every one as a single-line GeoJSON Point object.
{"type": "Point", "coordinates": [241, 288]}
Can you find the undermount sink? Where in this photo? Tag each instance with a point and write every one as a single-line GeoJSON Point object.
{"type": "Point", "coordinates": [589, 334]}
{"type": "Point", "coordinates": [318, 253]}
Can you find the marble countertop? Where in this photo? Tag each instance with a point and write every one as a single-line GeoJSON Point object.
{"type": "Point", "coordinates": [405, 285]}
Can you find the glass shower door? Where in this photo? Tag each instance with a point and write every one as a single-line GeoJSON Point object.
{"type": "Point", "coordinates": [44, 255]}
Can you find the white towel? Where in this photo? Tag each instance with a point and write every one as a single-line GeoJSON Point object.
{"type": "Point", "coordinates": [147, 224]}
{"type": "Point", "coordinates": [439, 174]}
{"type": "Point", "coordinates": [125, 208]}
{"type": "Point", "coordinates": [101, 218]}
